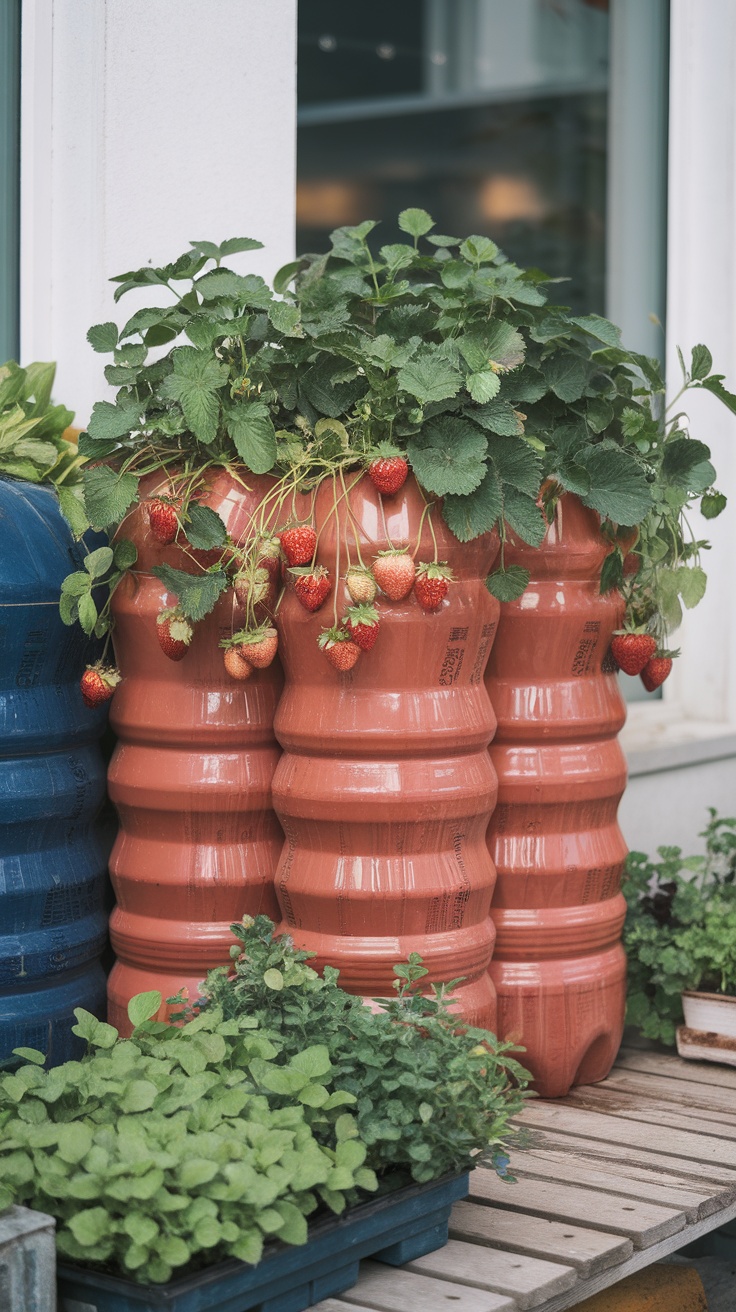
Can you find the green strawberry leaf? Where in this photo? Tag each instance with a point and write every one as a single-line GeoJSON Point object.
{"type": "Point", "coordinates": [430, 377]}
{"type": "Point", "coordinates": [478, 511]}
{"type": "Point", "coordinates": [196, 383]}
{"type": "Point", "coordinates": [618, 487]}
{"type": "Point", "coordinates": [416, 222]}
{"type": "Point", "coordinates": [250, 426]}
{"type": "Point", "coordinates": [108, 495]}
{"type": "Point", "coordinates": [103, 337]}
{"type": "Point", "coordinates": [197, 593]}
{"type": "Point", "coordinates": [449, 456]}
{"type": "Point", "coordinates": [204, 528]}
{"type": "Point", "coordinates": [508, 584]}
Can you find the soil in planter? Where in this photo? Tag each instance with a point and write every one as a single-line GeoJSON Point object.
{"type": "Point", "coordinates": [190, 777]}
{"type": "Point", "coordinates": [385, 787]}
{"type": "Point", "coordinates": [559, 967]}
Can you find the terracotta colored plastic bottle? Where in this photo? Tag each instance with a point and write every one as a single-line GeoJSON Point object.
{"type": "Point", "coordinates": [559, 968]}
{"type": "Point", "coordinates": [190, 777]}
{"type": "Point", "coordinates": [385, 787]}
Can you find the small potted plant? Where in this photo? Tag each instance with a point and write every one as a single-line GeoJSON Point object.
{"type": "Point", "coordinates": [53, 864]}
{"type": "Point", "coordinates": [680, 936]}
{"type": "Point", "coordinates": [182, 1163]}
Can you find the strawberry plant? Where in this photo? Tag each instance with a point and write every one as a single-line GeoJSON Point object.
{"type": "Point", "coordinates": [680, 930]}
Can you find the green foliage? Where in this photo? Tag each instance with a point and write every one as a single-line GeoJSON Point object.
{"type": "Point", "coordinates": [680, 930]}
{"type": "Point", "coordinates": [32, 445]}
{"type": "Point", "coordinates": [428, 1097]}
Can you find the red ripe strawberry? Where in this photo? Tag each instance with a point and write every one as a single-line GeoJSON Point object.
{"type": "Point", "coordinates": [98, 684]}
{"type": "Point", "coordinates": [388, 470]}
{"type": "Point", "coordinates": [174, 633]}
{"type": "Point", "coordinates": [298, 544]}
{"type": "Point", "coordinates": [657, 670]}
{"type": "Point", "coordinates": [236, 667]}
{"type": "Point", "coordinates": [258, 646]}
{"type": "Point", "coordinates": [394, 573]}
{"type": "Point", "coordinates": [361, 585]}
{"type": "Point", "coordinates": [312, 586]}
{"type": "Point", "coordinates": [253, 586]}
{"type": "Point", "coordinates": [431, 585]}
{"type": "Point", "coordinates": [339, 648]}
{"type": "Point", "coordinates": [362, 623]}
{"type": "Point", "coordinates": [163, 521]}
{"type": "Point", "coordinates": [632, 650]}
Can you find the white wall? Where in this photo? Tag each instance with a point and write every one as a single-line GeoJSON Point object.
{"type": "Point", "coordinates": [145, 124]}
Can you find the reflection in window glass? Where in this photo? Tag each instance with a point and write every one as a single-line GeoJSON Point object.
{"type": "Point", "coordinates": [491, 115]}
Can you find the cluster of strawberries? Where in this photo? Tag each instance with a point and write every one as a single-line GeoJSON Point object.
{"type": "Point", "coordinates": [635, 652]}
{"type": "Point", "coordinates": [257, 584]}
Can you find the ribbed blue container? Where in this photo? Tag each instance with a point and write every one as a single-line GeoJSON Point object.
{"type": "Point", "coordinates": [53, 851]}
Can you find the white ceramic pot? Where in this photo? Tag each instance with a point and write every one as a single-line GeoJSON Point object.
{"type": "Point", "coordinates": [709, 1032]}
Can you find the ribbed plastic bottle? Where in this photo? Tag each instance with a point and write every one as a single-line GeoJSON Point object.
{"type": "Point", "coordinates": [190, 776]}
{"type": "Point", "coordinates": [559, 967]}
{"type": "Point", "coordinates": [386, 787]}
{"type": "Point", "coordinates": [53, 852]}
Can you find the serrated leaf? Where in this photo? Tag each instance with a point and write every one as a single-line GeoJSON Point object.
{"type": "Point", "coordinates": [691, 582]}
{"type": "Point", "coordinates": [479, 250]}
{"type": "Point", "coordinates": [236, 245]}
{"type": "Point", "coordinates": [250, 426]}
{"type": "Point", "coordinates": [108, 495]}
{"type": "Point", "coordinates": [712, 505]}
{"type": "Point", "coordinates": [682, 461]}
{"type": "Point", "coordinates": [714, 384]}
{"type": "Point", "coordinates": [99, 562]}
{"type": "Point", "coordinates": [612, 573]}
{"type": "Point", "coordinates": [416, 222]}
{"type": "Point", "coordinates": [516, 464]}
{"type": "Point", "coordinates": [103, 337]}
{"type": "Point", "coordinates": [204, 528]}
{"type": "Point", "coordinates": [222, 284]}
{"type": "Point", "coordinates": [283, 316]}
{"type": "Point", "coordinates": [599, 414]}
{"type": "Point", "coordinates": [602, 329]}
{"type": "Point", "coordinates": [197, 593]}
{"type": "Point", "coordinates": [567, 375]}
{"type": "Point", "coordinates": [478, 512]}
{"type": "Point", "coordinates": [429, 377]}
{"type": "Point", "coordinates": [110, 421]}
{"type": "Point", "coordinates": [449, 456]}
{"type": "Point", "coordinates": [702, 362]}
{"type": "Point", "coordinates": [483, 386]}
{"type": "Point", "coordinates": [523, 515]}
{"type": "Point", "coordinates": [497, 417]}
{"type": "Point", "coordinates": [125, 553]}
{"type": "Point", "coordinates": [618, 487]}
{"type": "Point", "coordinates": [195, 383]}
{"type": "Point", "coordinates": [143, 1006]}
{"type": "Point", "coordinates": [508, 584]}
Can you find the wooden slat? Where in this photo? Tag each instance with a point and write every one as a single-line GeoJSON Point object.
{"type": "Point", "coordinates": [642, 1184]}
{"type": "Point", "coordinates": [686, 1093]}
{"type": "Point", "coordinates": [652, 1111]}
{"type": "Point", "coordinates": [394, 1289]}
{"type": "Point", "coordinates": [557, 1241]}
{"type": "Point", "coordinates": [643, 1223]}
{"type": "Point", "coordinates": [691, 1174]}
{"type": "Point", "coordinates": [528, 1280]}
{"type": "Point", "coordinates": [587, 1124]}
{"type": "Point", "coordinates": [674, 1068]}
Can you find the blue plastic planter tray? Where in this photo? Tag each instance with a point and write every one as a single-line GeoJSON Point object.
{"type": "Point", "coordinates": [395, 1228]}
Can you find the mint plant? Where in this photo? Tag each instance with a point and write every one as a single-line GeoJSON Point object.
{"type": "Point", "coordinates": [680, 930]}
{"type": "Point", "coordinates": [430, 1097]}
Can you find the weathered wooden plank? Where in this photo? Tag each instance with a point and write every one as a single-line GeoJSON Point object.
{"type": "Point", "coordinates": [640, 1183]}
{"type": "Point", "coordinates": [657, 1138]}
{"type": "Point", "coordinates": [682, 1092]}
{"type": "Point", "coordinates": [644, 1223]}
{"type": "Point", "coordinates": [672, 1067]}
{"type": "Point", "coordinates": [635, 1108]}
{"type": "Point", "coordinates": [691, 1174]}
{"type": "Point", "coordinates": [640, 1258]}
{"type": "Point", "coordinates": [528, 1280]}
{"type": "Point", "coordinates": [558, 1241]}
{"type": "Point", "coordinates": [394, 1289]}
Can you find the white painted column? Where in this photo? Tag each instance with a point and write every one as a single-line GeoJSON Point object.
{"type": "Point", "coordinates": [145, 124]}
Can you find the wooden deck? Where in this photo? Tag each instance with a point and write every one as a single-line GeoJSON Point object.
{"type": "Point", "coordinates": [613, 1177]}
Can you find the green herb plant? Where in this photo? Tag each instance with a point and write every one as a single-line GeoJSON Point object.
{"type": "Point", "coordinates": [430, 1097]}
{"type": "Point", "coordinates": [32, 445]}
{"type": "Point", "coordinates": [680, 930]}
{"type": "Point", "coordinates": [175, 1148]}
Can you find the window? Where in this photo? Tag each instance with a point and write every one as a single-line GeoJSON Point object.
{"type": "Point", "coordinates": [9, 175]}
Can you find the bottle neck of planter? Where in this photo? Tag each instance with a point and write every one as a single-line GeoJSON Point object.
{"type": "Point", "coordinates": [386, 787]}
{"type": "Point", "coordinates": [559, 968]}
{"type": "Point", "coordinates": [190, 776]}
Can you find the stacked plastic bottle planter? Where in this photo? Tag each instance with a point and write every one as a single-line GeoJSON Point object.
{"type": "Point", "coordinates": [559, 967]}
{"type": "Point", "coordinates": [52, 782]}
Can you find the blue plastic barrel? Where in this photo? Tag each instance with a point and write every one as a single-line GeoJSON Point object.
{"type": "Point", "coordinates": [53, 849]}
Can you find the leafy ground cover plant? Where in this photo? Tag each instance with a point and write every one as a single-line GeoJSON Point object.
{"type": "Point", "coordinates": [32, 445]}
{"type": "Point", "coordinates": [429, 1097]}
{"type": "Point", "coordinates": [680, 930]}
{"type": "Point", "coordinates": [435, 354]}
{"type": "Point", "coordinates": [176, 1147]}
